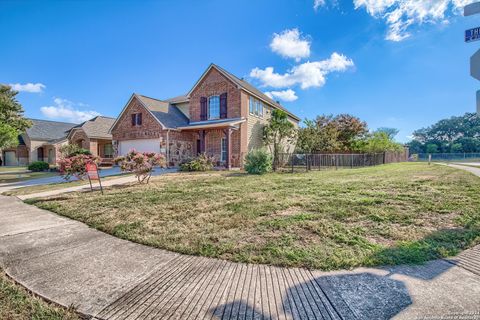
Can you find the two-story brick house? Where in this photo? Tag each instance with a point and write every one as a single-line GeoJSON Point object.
{"type": "Point", "coordinates": [221, 115]}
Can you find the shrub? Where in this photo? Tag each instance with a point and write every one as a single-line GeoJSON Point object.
{"type": "Point", "coordinates": [38, 166]}
{"type": "Point", "coordinates": [141, 164]}
{"type": "Point", "coordinates": [75, 165]}
{"type": "Point", "coordinates": [258, 162]}
{"type": "Point", "coordinates": [201, 163]}
{"type": "Point", "coordinates": [70, 150]}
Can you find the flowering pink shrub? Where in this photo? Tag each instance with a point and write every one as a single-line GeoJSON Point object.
{"type": "Point", "coordinates": [141, 164]}
{"type": "Point", "coordinates": [75, 165]}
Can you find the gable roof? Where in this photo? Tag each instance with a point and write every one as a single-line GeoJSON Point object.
{"type": "Point", "coordinates": [46, 130]}
{"type": "Point", "coordinates": [97, 127]}
{"type": "Point", "coordinates": [168, 116]}
{"type": "Point", "coordinates": [242, 84]}
{"type": "Point", "coordinates": [165, 113]}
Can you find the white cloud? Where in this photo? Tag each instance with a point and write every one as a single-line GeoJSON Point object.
{"type": "Point", "coordinates": [285, 95]}
{"type": "Point", "coordinates": [400, 15]}
{"type": "Point", "coordinates": [67, 110]}
{"type": "Point", "coordinates": [318, 3]}
{"type": "Point", "coordinates": [308, 74]}
{"type": "Point", "coordinates": [28, 87]}
{"type": "Point", "coordinates": [290, 44]}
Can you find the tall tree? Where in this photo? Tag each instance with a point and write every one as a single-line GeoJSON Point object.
{"type": "Point", "coordinates": [330, 134]}
{"type": "Point", "coordinates": [391, 132]}
{"type": "Point", "coordinates": [455, 134]}
{"type": "Point", "coordinates": [277, 133]}
{"type": "Point", "coordinates": [12, 121]}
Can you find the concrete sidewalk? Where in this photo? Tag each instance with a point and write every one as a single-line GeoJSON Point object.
{"type": "Point", "coordinates": [69, 263]}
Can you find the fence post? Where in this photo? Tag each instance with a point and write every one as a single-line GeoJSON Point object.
{"type": "Point", "coordinates": [384, 154]}
{"type": "Point", "coordinates": [292, 160]}
{"type": "Point", "coordinates": [351, 161]}
{"type": "Point", "coordinates": [335, 157]}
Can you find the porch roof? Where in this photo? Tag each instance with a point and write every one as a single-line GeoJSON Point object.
{"type": "Point", "coordinates": [211, 124]}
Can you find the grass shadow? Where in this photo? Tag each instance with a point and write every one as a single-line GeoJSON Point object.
{"type": "Point", "coordinates": [439, 244]}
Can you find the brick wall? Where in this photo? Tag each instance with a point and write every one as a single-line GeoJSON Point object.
{"type": "Point", "coordinates": [124, 130]}
{"type": "Point", "coordinates": [214, 83]}
{"type": "Point", "coordinates": [80, 138]}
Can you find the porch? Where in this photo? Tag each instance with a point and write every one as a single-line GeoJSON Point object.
{"type": "Point", "coordinates": [219, 139]}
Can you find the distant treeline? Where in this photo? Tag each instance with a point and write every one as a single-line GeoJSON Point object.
{"type": "Point", "coordinates": [452, 135]}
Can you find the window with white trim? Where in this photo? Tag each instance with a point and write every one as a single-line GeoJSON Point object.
{"type": "Point", "coordinates": [255, 107]}
{"type": "Point", "coordinates": [223, 150]}
{"type": "Point", "coordinates": [213, 107]}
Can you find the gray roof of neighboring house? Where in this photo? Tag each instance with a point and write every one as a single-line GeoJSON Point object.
{"type": "Point", "coordinates": [167, 114]}
{"type": "Point", "coordinates": [97, 127]}
{"type": "Point", "coordinates": [46, 130]}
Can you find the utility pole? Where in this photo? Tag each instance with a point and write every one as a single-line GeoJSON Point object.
{"type": "Point", "coordinates": [470, 36]}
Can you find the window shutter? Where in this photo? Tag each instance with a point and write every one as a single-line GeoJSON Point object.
{"type": "Point", "coordinates": [223, 105]}
{"type": "Point", "coordinates": [203, 108]}
{"type": "Point", "coordinates": [139, 121]}
{"type": "Point", "coordinates": [133, 119]}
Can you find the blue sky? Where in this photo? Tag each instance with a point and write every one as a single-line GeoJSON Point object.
{"type": "Point", "coordinates": [87, 57]}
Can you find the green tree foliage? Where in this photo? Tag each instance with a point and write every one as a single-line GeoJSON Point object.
{"type": "Point", "coordinates": [455, 134]}
{"type": "Point", "coordinates": [391, 132]}
{"type": "Point", "coordinates": [330, 134]}
{"type": "Point", "coordinates": [277, 133]}
{"type": "Point", "coordinates": [376, 142]}
{"type": "Point", "coordinates": [12, 121]}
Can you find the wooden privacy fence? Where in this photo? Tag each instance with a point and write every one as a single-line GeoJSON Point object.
{"type": "Point", "coordinates": [319, 161]}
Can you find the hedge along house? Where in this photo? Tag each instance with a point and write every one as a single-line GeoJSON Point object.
{"type": "Point", "coordinates": [40, 142]}
{"type": "Point", "coordinates": [94, 136]}
{"type": "Point", "coordinates": [222, 116]}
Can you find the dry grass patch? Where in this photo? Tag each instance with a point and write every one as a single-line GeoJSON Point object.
{"type": "Point", "coordinates": [398, 213]}
{"type": "Point", "coordinates": [16, 303]}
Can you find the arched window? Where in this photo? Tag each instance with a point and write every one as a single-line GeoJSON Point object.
{"type": "Point", "coordinates": [214, 107]}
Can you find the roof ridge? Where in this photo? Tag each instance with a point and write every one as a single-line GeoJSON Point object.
{"type": "Point", "coordinates": [141, 95]}
{"type": "Point", "coordinates": [51, 121]}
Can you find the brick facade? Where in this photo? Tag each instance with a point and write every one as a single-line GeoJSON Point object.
{"type": "Point", "coordinates": [214, 84]}
{"type": "Point", "coordinates": [123, 129]}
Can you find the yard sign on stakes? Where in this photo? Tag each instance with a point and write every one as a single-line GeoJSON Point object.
{"type": "Point", "coordinates": [92, 174]}
{"type": "Point", "coordinates": [474, 35]}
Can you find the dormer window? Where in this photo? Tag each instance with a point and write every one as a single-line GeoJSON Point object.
{"type": "Point", "coordinates": [213, 107]}
{"type": "Point", "coordinates": [136, 119]}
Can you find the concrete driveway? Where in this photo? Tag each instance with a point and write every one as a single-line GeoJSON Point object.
{"type": "Point", "coordinates": [58, 179]}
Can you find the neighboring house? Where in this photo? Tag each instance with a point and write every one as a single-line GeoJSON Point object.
{"type": "Point", "coordinates": [94, 135]}
{"type": "Point", "coordinates": [221, 115]}
{"type": "Point", "coordinates": [43, 140]}
{"type": "Point", "coordinates": [40, 142]}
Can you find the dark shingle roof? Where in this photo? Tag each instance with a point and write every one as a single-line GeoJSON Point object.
{"type": "Point", "coordinates": [248, 87]}
{"type": "Point", "coordinates": [46, 130]}
{"type": "Point", "coordinates": [167, 114]}
{"type": "Point", "coordinates": [97, 127]}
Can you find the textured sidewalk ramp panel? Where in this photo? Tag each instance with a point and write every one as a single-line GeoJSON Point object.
{"type": "Point", "coordinates": [468, 259]}
{"type": "Point", "coordinates": [202, 288]}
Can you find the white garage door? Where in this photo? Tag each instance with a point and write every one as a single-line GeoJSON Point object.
{"type": "Point", "coordinates": [141, 145]}
{"type": "Point", "coordinates": [10, 158]}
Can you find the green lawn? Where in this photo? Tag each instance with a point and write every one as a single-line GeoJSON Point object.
{"type": "Point", "coordinates": [10, 178]}
{"type": "Point", "coordinates": [16, 303]}
{"type": "Point", "coordinates": [390, 214]}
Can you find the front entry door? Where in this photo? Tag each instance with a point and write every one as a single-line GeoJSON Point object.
{"type": "Point", "coordinates": [40, 154]}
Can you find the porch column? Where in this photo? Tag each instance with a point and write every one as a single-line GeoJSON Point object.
{"type": "Point", "coordinates": [228, 137]}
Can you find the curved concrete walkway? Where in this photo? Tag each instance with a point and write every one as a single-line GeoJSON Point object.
{"type": "Point", "coordinates": [108, 278]}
